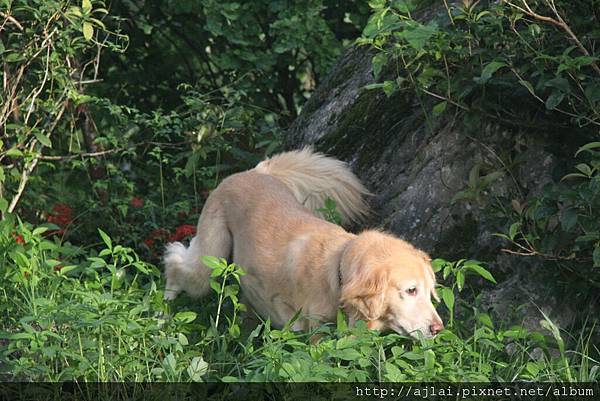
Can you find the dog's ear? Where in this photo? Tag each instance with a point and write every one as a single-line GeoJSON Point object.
{"type": "Point", "coordinates": [363, 293]}
{"type": "Point", "coordinates": [427, 259]}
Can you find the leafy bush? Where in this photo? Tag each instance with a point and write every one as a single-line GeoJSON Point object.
{"type": "Point", "coordinates": [273, 51]}
{"type": "Point", "coordinates": [111, 147]}
{"type": "Point", "coordinates": [531, 67]}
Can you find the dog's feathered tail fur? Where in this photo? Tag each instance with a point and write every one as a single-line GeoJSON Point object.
{"type": "Point", "coordinates": [314, 177]}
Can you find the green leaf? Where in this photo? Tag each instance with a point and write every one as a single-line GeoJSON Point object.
{"type": "Point", "coordinates": [347, 354]}
{"type": "Point", "coordinates": [43, 139]}
{"type": "Point", "coordinates": [377, 4]}
{"type": "Point", "coordinates": [14, 152]}
{"type": "Point", "coordinates": [592, 236]}
{"type": "Point", "coordinates": [559, 83]}
{"type": "Point", "coordinates": [429, 359]}
{"type": "Point", "coordinates": [213, 262]}
{"type": "Point", "coordinates": [198, 367]}
{"type": "Point", "coordinates": [342, 326]}
{"type": "Point", "coordinates": [448, 298]}
{"type": "Point", "coordinates": [439, 108]}
{"type": "Point", "coordinates": [474, 266]}
{"type": "Point", "coordinates": [437, 264]}
{"type": "Point", "coordinates": [592, 92]}
{"type": "Point", "coordinates": [474, 176]}
{"type": "Point", "coordinates": [532, 368]}
{"type": "Point", "coordinates": [215, 286]}
{"type": "Point", "coordinates": [86, 5]}
{"type": "Point", "coordinates": [170, 362]}
{"type": "Point", "coordinates": [553, 328]}
{"type": "Point", "coordinates": [105, 238]}
{"type": "Point", "coordinates": [419, 35]}
{"type": "Point", "coordinates": [460, 279]}
{"type": "Point", "coordinates": [347, 342]}
{"type": "Point", "coordinates": [447, 271]}
{"type": "Point", "coordinates": [596, 255]}
{"type": "Point", "coordinates": [182, 339]}
{"type": "Point", "coordinates": [589, 146]}
{"type": "Point", "coordinates": [379, 61]}
{"type": "Point", "coordinates": [513, 230]}
{"type": "Point", "coordinates": [405, 6]}
{"type": "Point", "coordinates": [67, 269]}
{"type": "Point", "coordinates": [485, 319]}
{"type": "Point", "coordinates": [584, 168]}
{"type": "Point", "coordinates": [393, 373]}
{"type": "Point", "coordinates": [39, 231]}
{"type": "Point", "coordinates": [88, 31]}
{"type": "Point", "coordinates": [373, 86]}
{"type": "Point", "coordinates": [389, 87]}
{"type": "Point", "coordinates": [568, 218]}
{"type": "Point", "coordinates": [185, 317]}
{"type": "Point", "coordinates": [489, 70]}
{"type": "Point", "coordinates": [554, 99]}
{"type": "Point", "coordinates": [14, 57]}
{"type": "Point", "coordinates": [582, 61]}
{"type": "Point", "coordinates": [573, 175]}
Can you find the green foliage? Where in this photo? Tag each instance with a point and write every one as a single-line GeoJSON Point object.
{"type": "Point", "coordinates": [529, 66]}
{"type": "Point", "coordinates": [491, 59]}
{"type": "Point", "coordinates": [562, 224]}
{"type": "Point", "coordinates": [46, 48]}
{"type": "Point", "coordinates": [68, 315]}
{"type": "Point", "coordinates": [330, 213]}
{"type": "Point", "coordinates": [97, 117]}
{"type": "Point", "coordinates": [273, 51]}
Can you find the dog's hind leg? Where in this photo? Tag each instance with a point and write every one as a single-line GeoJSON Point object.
{"type": "Point", "coordinates": [183, 266]}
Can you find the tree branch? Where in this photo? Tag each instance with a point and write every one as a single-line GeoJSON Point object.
{"type": "Point", "coordinates": [12, 19]}
{"type": "Point", "coordinates": [24, 178]}
{"type": "Point", "coordinates": [558, 21]}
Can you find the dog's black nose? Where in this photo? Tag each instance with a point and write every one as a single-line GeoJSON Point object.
{"type": "Point", "coordinates": [436, 328]}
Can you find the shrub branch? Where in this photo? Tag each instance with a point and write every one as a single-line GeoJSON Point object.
{"type": "Point", "coordinates": [557, 21]}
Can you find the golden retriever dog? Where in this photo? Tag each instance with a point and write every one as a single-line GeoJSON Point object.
{"type": "Point", "coordinates": [262, 219]}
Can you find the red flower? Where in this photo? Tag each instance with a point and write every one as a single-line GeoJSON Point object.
{"type": "Point", "coordinates": [183, 231]}
{"type": "Point", "coordinates": [136, 202]}
{"type": "Point", "coordinates": [58, 268]}
{"type": "Point", "coordinates": [18, 238]}
{"type": "Point", "coordinates": [157, 235]}
{"type": "Point", "coordinates": [62, 216]}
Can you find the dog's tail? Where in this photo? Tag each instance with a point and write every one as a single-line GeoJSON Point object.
{"type": "Point", "coordinates": [314, 177]}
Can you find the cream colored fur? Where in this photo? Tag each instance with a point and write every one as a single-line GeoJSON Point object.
{"type": "Point", "coordinates": [313, 177]}
{"type": "Point", "coordinates": [263, 220]}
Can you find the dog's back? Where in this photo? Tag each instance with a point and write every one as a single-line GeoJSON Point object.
{"type": "Point", "coordinates": [263, 220]}
{"type": "Point", "coordinates": [263, 217]}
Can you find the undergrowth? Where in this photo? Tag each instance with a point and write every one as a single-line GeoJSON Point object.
{"type": "Point", "coordinates": [73, 314]}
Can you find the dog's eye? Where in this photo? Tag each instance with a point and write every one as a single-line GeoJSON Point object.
{"type": "Point", "coordinates": [412, 291]}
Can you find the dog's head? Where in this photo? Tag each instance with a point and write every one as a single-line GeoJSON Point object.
{"type": "Point", "coordinates": [389, 283]}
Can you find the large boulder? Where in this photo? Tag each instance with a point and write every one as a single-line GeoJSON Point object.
{"type": "Point", "coordinates": [416, 164]}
